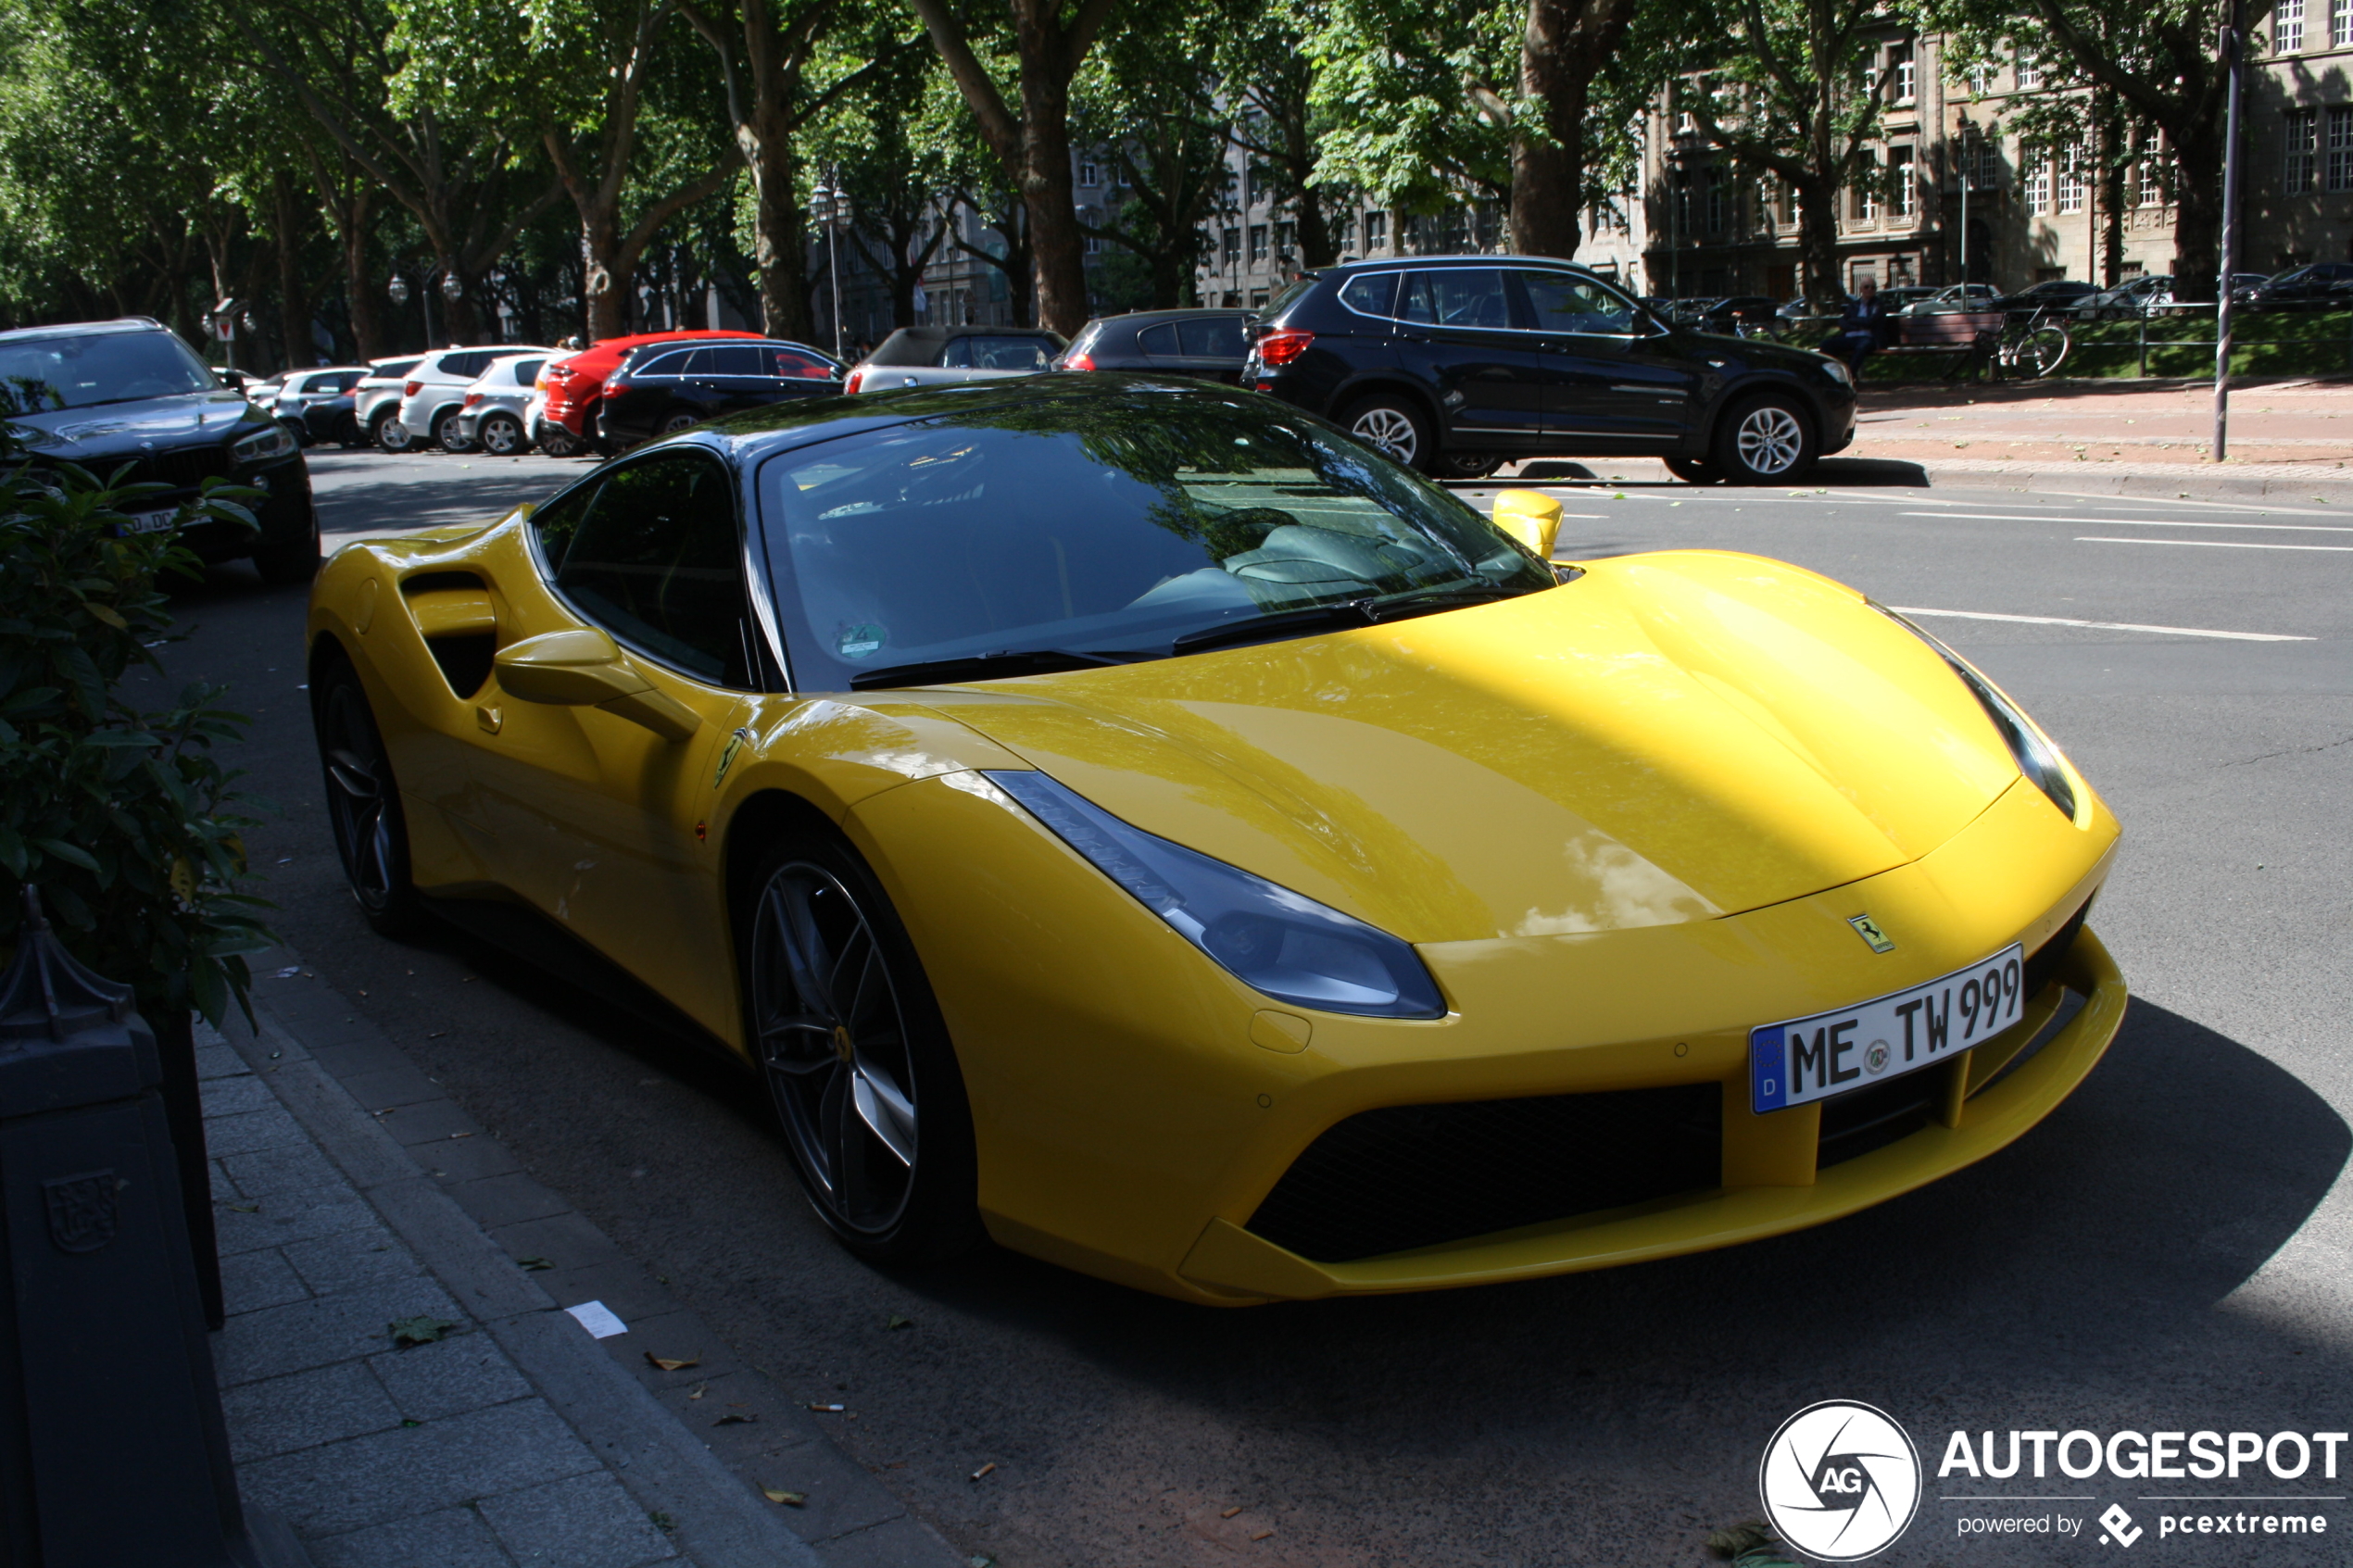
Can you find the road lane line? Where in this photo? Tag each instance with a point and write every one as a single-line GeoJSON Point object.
{"type": "Point", "coordinates": [2216, 543]}
{"type": "Point", "coordinates": [2142, 521]}
{"type": "Point", "coordinates": [2108, 625]}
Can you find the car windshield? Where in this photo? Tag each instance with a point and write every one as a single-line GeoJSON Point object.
{"type": "Point", "coordinates": [1110, 523]}
{"type": "Point", "coordinates": [82, 369]}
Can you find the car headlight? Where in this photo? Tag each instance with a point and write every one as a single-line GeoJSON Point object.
{"type": "Point", "coordinates": [2037, 757]}
{"type": "Point", "coordinates": [1267, 936]}
{"type": "Point", "coordinates": [262, 445]}
{"type": "Point", "coordinates": [1837, 371]}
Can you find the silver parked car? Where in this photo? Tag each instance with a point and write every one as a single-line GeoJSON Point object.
{"type": "Point", "coordinates": [945, 356]}
{"type": "Point", "coordinates": [303, 394]}
{"type": "Point", "coordinates": [436, 392]}
{"type": "Point", "coordinates": [492, 415]}
{"type": "Point", "coordinates": [375, 401]}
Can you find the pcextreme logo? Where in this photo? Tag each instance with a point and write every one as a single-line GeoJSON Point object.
{"type": "Point", "coordinates": [1840, 1480]}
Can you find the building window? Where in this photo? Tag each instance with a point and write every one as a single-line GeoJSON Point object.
{"type": "Point", "coordinates": [1980, 76]}
{"type": "Point", "coordinates": [2149, 189]}
{"type": "Point", "coordinates": [2072, 185]}
{"type": "Point", "coordinates": [2301, 126]}
{"type": "Point", "coordinates": [2340, 24]}
{"type": "Point", "coordinates": [2288, 27]}
{"type": "Point", "coordinates": [1907, 76]}
{"type": "Point", "coordinates": [2341, 149]}
{"type": "Point", "coordinates": [1286, 239]}
{"type": "Point", "coordinates": [1233, 247]}
{"type": "Point", "coordinates": [1376, 230]}
{"type": "Point", "coordinates": [1904, 189]}
{"type": "Point", "coordinates": [2038, 179]}
{"type": "Point", "coordinates": [1868, 202]}
{"type": "Point", "coordinates": [1089, 175]}
{"type": "Point", "coordinates": [1258, 243]}
{"type": "Point", "coordinates": [1719, 201]}
{"type": "Point", "coordinates": [2030, 72]}
{"type": "Point", "coordinates": [1253, 189]}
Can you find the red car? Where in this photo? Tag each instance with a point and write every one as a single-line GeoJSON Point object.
{"type": "Point", "coordinates": [572, 384]}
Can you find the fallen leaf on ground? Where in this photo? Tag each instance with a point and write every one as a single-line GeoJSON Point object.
{"type": "Point", "coordinates": [669, 1364]}
{"type": "Point", "coordinates": [1230, 1512]}
{"type": "Point", "coordinates": [534, 1263]}
{"type": "Point", "coordinates": [828, 1410]}
{"type": "Point", "coordinates": [734, 1418]}
{"type": "Point", "coordinates": [418, 1331]}
{"type": "Point", "coordinates": [984, 1469]}
{"type": "Point", "coordinates": [700, 1389]}
{"type": "Point", "coordinates": [406, 1421]}
{"type": "Point", "coordinates": [898, 1322]}
{"type": "Point", "coordinates": [244, 1208]}
{"type": "Point", "coordinates": [778, 1494]}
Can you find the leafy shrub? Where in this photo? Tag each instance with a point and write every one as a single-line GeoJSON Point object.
{"type": "Point", "coordinates": [126, 821]}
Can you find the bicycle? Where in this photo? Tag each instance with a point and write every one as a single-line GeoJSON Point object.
{"type": "Point", "coordinates": [2033, 345]}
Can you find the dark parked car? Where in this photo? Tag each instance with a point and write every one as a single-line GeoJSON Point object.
{"type": "Point", "coordinates": [315, 406]}
{"type": "Point", "coordinates": [2055, 294]}
{"type": "Point", "coordinates": [103, 394]}
{"type": "Point", "coordinates": [1205, 345]}
{"type": "Point", "coordinates": [1459, 364]}
{"type": "Point", "coordinates": [2321, 285]}
{"type": "Point", "coordinates": [664, 387]}
{"type": "Point", "coordinates": [1737, 315]}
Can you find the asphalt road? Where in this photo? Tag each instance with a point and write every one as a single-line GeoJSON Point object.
{"type": "Point", "coordinates": [2170, 1251]}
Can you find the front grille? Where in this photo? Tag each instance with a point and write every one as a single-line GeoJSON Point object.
{"type": "Point", "coordinates": [184, 469]}
{"type": "Point", "coordinates": [1420, 1175]}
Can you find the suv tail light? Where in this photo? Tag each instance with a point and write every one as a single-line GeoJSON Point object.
{"type": "Point", "coordinates": [849, 387]}
{"type": "Point", "coordinates": [413, 388]}
{"type": "Point", "coordinates": [1282, 345]}
{"type": "Point", "coordinates": [1079, 362]}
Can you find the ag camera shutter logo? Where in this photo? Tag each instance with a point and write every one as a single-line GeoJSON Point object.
{"type": "Point", "coordinates": [1840, 1480]}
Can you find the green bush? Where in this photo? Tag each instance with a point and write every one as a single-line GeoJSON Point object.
{"type": "Point", "coordinates": [126, 821]}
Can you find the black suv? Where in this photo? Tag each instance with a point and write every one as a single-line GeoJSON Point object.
{"type": "Point", "coordinates": [661, 387]}
{"type": "Point", "coordinates": [1459, 364]}
{"type": "Point", "coordinates": [102, 393]}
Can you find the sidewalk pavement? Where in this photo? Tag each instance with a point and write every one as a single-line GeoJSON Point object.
{"type": "Point", "coordinates": [359, 1209]}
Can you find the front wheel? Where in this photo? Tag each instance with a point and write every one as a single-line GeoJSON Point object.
{"type": "Point", "coordinates": [679, 420]}
{"type": "Point", "coordinates": [1764, 442]}
{"type": "Point", "coordinates": [363, 804]}
{"type": "Point", "coordinates": [390, 435]}
{"type": "Point", "coordinates": [1466, 465]}
{"type": "Point", "coordinates": [449, 431]}
{"type": "Point", "coordinates": [1693, 470]}
{"type": "Point", "coordinates": [556, 441]}
{"type": "Point", "coordinates": [1394, 428]}
{"type": "Point", "coordinates": [2036, 351]}
{"type": "Point", "coordinates": [501, 435]}
{"type": "Point", "coordinates": [855, 1054]}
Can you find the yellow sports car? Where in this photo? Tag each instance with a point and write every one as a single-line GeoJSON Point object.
{"type": "Point", "coordinates": [1139, 824]}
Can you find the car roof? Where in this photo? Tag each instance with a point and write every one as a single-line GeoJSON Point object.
{"type": "Point", "coordinates": [941, 335]}
{"type": "Point", "coordinates": [759, 434]}
{"type": "Point", "coordinates": [1190, 312]}
{"type": "Point", "coordinates": [87, 329]}
{"type": "Point", "coordinates": [1346, 269]}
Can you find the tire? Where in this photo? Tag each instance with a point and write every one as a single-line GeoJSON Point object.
{"type": "Point", "coordinates": [1693, 471]}
{"type": "Point", "coordinates": [294, 558]}
{"type": "Point", "coordinates": [363, 803]}
{"type": "Point", "coordinates": [1466, 465]}
{"type": "Point", "coordinates": [679, 420]}
{"type": "Point", "coordinates": [558, 442]}
{"type": "Point", "coordinates": [298, 428]}
{"type": "Point", "coordinates": [2040, 350]}
{"type": "Point", "coordinates": [389, 434]}
{"type": "Point", "coordinates": [1395, 427]}
{"type": "Point", "coordinates": [501, 435]}
{"type": "Point", "coordinates": [1765, 439]}
{"type": "Point", "coordinates": [860, 1071]}
{"type": "Point", "coordinates": [447, 433]}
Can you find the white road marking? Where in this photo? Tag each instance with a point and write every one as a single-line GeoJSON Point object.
{"type": "Point", "coordinates": [2143, 522]}
{"type": "Point", "coordinates": [2106, 625]}
{"type": "Point", "coordinates": [2216, 544]}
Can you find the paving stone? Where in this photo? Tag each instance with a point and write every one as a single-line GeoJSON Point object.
{"type": "Point", "coordinates": [425, 1122]}
{"type": "Point", "coordinates": [585, 1522]}
{"type": "Point", "coordinates": [386, 1475]}
{"type": "Point", "coordinates": [286, 1218]}
{"type": "Point", "coordinates": [215, 1062]}
{"type": "Point", "coordinates": [842, 1496]}
{"type": "Point", "coordinates": [902, 1542]}
{"type": "Point", "coordinates": [454, 1538]}
{"type": "Point", "coordinates": [235, 1096]}
{"type": "Point", "coordinates": [433, 1382]}
{"type": "Point", "coordinates": [466, 1159]}
{"type": "Point", "coordinates": [277, 1340]}
{"type": "Point", "coordinates": [326, 1405]}
{"type": "Point", "coordinates": [620, 1285]}
{"type": "Point", "coordinates": [271, 1127]}
{"type": "Point", "coordinates": [295, 1168]}
{"type": "Point", "coordinates": [568, 1241]}
{"type": "Point", "coordinates": [505, 1201]}
{"type": "Point", "coordinates": [356, 1057]}
{"type": "Point", "coordinates": [338, 1263]}
{"type": "Point", "coordinates": [250, 1281]}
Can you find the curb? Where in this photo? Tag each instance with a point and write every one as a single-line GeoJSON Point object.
{"type": "Point", "coordinates": [471, 1216]}
{"type": "Point", "coordinates": [2289, 483]}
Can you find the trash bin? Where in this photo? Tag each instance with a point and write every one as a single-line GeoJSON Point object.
{"type": "Point", "coordinates": [112, 1448]}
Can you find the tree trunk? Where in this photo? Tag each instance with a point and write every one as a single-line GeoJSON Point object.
{"type": "Point", "coordinates": [1057, 250]}
{"type": "Point", "coordinates": [1548, 169]}
{"type": "Point", "coordinates": [1818, 241]}
{"type": "Point", "coordinates": [359, 286]}
{"type": "Point", "coordinates": [1317, 248]}
{"type": "Point", "coordinates": [294, 292]}
{"type": "Point", "coordinates": [776, 243]}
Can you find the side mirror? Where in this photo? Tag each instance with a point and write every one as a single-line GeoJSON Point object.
{"type": "Point", "coordinates": [1531, 516]}
{"type": "Point", "coordinates": [584, 669]}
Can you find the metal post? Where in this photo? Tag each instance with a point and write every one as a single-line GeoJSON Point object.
{"type": "Point", "coordinates": [2233, 33]}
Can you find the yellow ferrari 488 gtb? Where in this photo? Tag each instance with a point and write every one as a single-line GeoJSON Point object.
{"type": "Point", "coordinates": [1139, 824]}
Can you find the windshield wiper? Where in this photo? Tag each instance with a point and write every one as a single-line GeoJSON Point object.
{"type": "Point", "coordinates": [1425, 601]}
{"type": "Point", "coordinates": [1344, 613]}
{"type": "Point", "coordinates": [983, 666]}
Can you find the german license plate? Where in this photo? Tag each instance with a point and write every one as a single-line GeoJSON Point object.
{"type": "Point", "coordinates": [1833, 1053]}
{"type": "Point", "coordinates": [152, 523]}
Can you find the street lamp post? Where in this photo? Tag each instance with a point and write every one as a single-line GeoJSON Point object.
{"type": "Point", "coordinates": [2234, 37]}
{"type": "Point", "coordinates": [829, 205]}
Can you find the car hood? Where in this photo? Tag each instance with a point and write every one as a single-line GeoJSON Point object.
{"type": "Point", "coordinates": [125, 429]}
{"type": "Point", "coordinates": [1668, 739]}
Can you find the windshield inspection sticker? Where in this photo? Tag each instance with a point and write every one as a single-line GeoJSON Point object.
{"type": "Point", "coordinates": [859, 641]}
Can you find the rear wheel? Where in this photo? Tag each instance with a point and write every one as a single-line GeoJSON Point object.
{"type": "Point", "coordinates": [347, 433]}
{"type": "Point", "coordinates": [558, 442]}
{"type": "Point", "coordinates": [856, 1058]}
{"type": "Point", "coordinates": [363, 804]}
{"type": "Point", "coordinates": [1394, 428]}
{"type": "Point", "coordinates": [1693, 470]}
{"type": "Point", "coordinates": [501, 435]}
{"type": "Point", "coordinates": [389, 433]}
{"type": "Point", "coordinates": [679, 420]}
{"type": "Point", "coordinates": [1764, 442]}
{"type": "Point", "coordinates": [449, 431]}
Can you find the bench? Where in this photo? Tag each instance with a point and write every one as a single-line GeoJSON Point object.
{"type": "Point", "coordinates": [1967, 336]}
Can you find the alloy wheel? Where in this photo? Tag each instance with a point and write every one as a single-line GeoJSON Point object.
{"type": "Point", "coordinates": [831, 1034]}
{"type": "Point", "coordinates": [1387, 430]}
{"type": "Point", "coordinates": [452, 434]}
{"type": "Point", "coordinates": [1770, 440]}
{"type": "Point", "coordinates": [501, 437]}
{"type": "Point", "coordinates": [359, 792]}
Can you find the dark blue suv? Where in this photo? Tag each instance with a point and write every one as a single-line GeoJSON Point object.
{"type": "Point", "coordinates": [1459, 364]}
{"type": "Point", "coordinates": [103, 394]}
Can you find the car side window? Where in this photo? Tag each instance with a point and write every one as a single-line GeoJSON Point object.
{"type": "Point", "coordinates": [1567, 304]}
{"type": "Point", "coordinates": [737, 361]}
{"type": "Point", "coordinates": [1160, 340]}
{"type": "Point", "coordinates": [1370, 293]}
{"type": "Point", "coordinates": [654, 558]}
{"type": "Point", "coordinates": [1456, 297]}
{"type": "Point", "coordinates": [1217, 337]}
{"type": "Point", "coordinates": [958, 355]}
{"type": "Point", "coordinates": [527, 371]}
{"type": "Point", "coordinates": [792, 365]}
